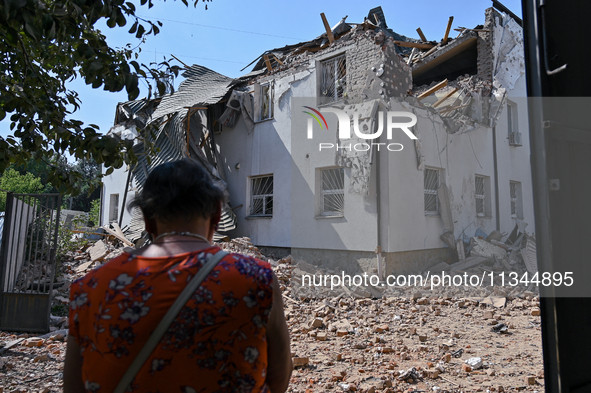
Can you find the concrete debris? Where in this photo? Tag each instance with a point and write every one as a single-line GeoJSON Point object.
{"type": "Point", "coordinates": [483, 248]}
{"type": "Point", "coordinates": [395, 342]}
{"type": "Point", "coordinates": [474, 362]}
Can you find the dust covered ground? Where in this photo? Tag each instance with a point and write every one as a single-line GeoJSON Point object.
{"type": "Point", "coordinates": [418, 341]}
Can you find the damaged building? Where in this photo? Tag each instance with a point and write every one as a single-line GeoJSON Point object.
{"type": "Point", "coordinates": [360, 193]}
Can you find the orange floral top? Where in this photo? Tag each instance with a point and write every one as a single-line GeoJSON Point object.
{"type": "Point", "coordinates": [216, 344]}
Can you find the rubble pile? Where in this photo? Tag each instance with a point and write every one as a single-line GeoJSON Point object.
{"type": "Point", "coordinates": [357, 339]}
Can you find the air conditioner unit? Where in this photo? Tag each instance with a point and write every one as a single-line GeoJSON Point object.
{"type": "Point", "coordinates": [515, 138]}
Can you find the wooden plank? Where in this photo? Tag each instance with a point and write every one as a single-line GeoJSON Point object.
{"type": "Point", "coordinates": [455, 50]}
{"type": "Point", "coordinates": [432, 90]}
{"type": "Point", "coordinates": [205, 138]}
{"type": "Point", "coordinates": [445, 37]}
{"type": "Point", "coordinates": [277, 59]}
{"type": "Point", "coordinates": [122, 238]}
{"type": "Point", "coordinates": [453, 109]}
{"type": "Point", "coordinates": [327, 27]}
{"type": "Point", "coordinates": [421, 34]}
{"type": "Point", "coordinates": [414, 45]}
{"type": "Point", "coordinates": [118, 229]}
{"type": "Point", "coordinates": [445, 97]}
{"type": "Point", "coordinates": [268, 62]}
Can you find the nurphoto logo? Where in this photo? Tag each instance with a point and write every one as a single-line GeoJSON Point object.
{"type": "Point", "coordinates": [344, 128]}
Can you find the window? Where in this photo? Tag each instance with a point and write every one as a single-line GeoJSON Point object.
{"type": "Point", "coordinates": [482, 195]}
{"type": "Point", "coordinates": [332, 192]}
{"type": "Point", "coordinates": [515, 195]}
{"type": "Point", "coordinates": [114, 208]}
{"type": "Point", "coordinates": [264, 101]}
{"type": "Point", "coordinates": [261, 202]}
{"type": "Point", "coordinates": [333, 79]}
{"type": "Point", "coordinates": [431, 186]}
{"type": "Point", "coordinates": [512, 124]}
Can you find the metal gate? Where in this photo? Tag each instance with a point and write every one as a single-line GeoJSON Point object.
{"type": "Point", "coordinates": [27, 261]}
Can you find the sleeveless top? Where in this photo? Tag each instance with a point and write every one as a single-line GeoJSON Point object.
{"type": "Point", "coordinates": [217, 343]}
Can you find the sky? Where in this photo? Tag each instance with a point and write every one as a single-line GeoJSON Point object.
{"type": "Point", "coordinates": [230, 34]}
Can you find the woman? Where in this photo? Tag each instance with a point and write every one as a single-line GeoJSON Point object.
{"type": "Point", "coordinates": [231, 335]}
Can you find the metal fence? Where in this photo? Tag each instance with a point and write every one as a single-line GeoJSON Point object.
{"type": "Point", "coordinates": [27, 261]}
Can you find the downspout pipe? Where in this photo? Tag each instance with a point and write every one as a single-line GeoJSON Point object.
{"type": "Point", "coordinates": [496, 177]}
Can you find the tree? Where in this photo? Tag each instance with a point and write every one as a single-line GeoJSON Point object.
{"type": "Point", "coordinates": [44, 44]}
{"type": "Point", "coordinates": [13, 181]}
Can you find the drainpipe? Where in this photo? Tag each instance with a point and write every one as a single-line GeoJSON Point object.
{"type": "Point", "coordinates": [496, 176]}
{"type": "Point", "coordinates": [380, 262]}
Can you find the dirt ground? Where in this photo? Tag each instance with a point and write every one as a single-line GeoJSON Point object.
{"type": "Point", "coordinates": [416, 343]}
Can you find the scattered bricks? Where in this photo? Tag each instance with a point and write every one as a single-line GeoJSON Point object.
{"type": "Point", "coordinates": [321, 336]}
{"type": "Point", "coordinates": [536, 312]}
{"type": "Point", "coordinates": [387, 350]}
{"type": "Point", "coordinates": [446, 358]}
{"type": "Point", "coordinates": [501, 389]}
{"type": "Point", "coordinates": [437, 311]}
{"type": "Point", "coordinates": [541, 374]}
{"type": "Point", "coordinates": [381, 328]}
{"type": "Point", "coordinates": [423, 348]}
{"type": "Point", "coordinates": [491, 372]}
{"type": "Point", "coordinates": [466, 368]}
{"type": "Point", "coordinates": [530, 380]}
{"type": "Point", "coordinates": [422, 338]}
{"type": "Point", "coordinates": [299, 362]}
{"type": "Point", "coordinates": [316, 323]}
{"type": "Point", "coordinates": [456, 335]}
{"type": "Point", "coordinates": [41, 358]}
{"type": "Point", "coordinates": [342, 332]}
{"type": "Point", "coordinates": [488, 314]}
{"type": "Point", "coordinates": [33, 342]}
{"type": "Point", "coordinates": [336, 356]}
{"type": "Point", "coordinates": [432, 373]}
{"type": "Point", "coordinates": [413, 330]}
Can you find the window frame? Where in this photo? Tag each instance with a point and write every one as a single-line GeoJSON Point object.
{"type": "Point", "coordinates": [259, 100]}
{"type": "Point", "coordinates": [336, 82]}
{"type": "Point", "coordinates": [113, 207]}
{"type": "Point", "coordinates": [322, 212]}
{"type": "Point", "coordinates": [430, 191]}
{"type": "Point", "coordinates": [515, 199]}
{"type": "Point", "coordinates": [254, 195]}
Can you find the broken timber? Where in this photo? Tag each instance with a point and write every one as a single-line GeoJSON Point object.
{"type": "Point", "coordinates": [445, 97]}
{"type": "Point", "coordinates": [421, 34]}
{"type": "Point", "coordinates": [327, 27]}
{"type": "Point", "coordinates": [414, 45]}
{"type": "Point", "coordinates": [445, 37]}
{"type": "Point", "coordinates": [432, 90]}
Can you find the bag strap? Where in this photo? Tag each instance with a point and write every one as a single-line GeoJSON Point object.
{"type": "Point", "coordinates": [167, 320]}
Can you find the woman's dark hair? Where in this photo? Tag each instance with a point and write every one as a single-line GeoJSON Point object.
{"type": "Point", "coordinates": [178, 189]}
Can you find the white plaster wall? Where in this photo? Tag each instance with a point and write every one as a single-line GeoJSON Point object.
{"type": "Point", "coordinates": [515, 161]}
{"type": "Point", "coordinates": [115, 184]}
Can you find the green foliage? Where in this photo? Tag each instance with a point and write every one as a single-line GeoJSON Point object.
{"type": "Point", "coordinates": [95, 210]}
{"type": "Point", "coordinates": [60, 310]}
{"type": "Point", "coordinates": [12, 180]}
{"type": "Point", "coordinates": [44, 45]}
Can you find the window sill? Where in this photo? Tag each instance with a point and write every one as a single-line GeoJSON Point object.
{"type": "Point", "coordinates": [329, 216]}
{"type": "Point", "coordinates": [477, 216]}
{"type": "Point", "coordinates": [258, 217]}
{"type": "Point", "coordinates": [427, 214]}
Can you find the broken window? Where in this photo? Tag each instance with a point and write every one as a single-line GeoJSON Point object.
{"type": "Point", "coordinates": [512, 125]}
{"type": "Point", "coordinates": [332, 192]}
{"type": "Point", "coordinates": [114, 208]}
{"type": "Point", "coordinates": [431, 186]}
{"type": "Point", "coordinates": [261, 203]}
{"type": "Point", "coordinates": [266, 101]}
{"type": "Point", "coordinates": [333, 79]}
{"type": "Point", "coordinates": [515, 195]}
{"type": "Point", "coordinates": [483, 206]}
